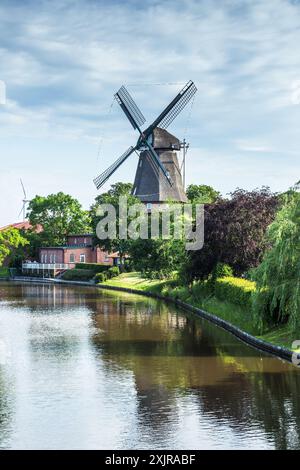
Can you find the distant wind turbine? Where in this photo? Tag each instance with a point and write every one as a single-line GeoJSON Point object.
{"type": "Point", "coordinates": [25, 202]}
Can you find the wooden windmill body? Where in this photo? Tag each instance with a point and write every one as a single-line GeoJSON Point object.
{"type": "Point", "coordinates": [150, 184]}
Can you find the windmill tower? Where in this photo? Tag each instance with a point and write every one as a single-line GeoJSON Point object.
{"type": "Point", "coordinates": [149, 184]}
{"type": "Point", "coordinates": [158, 177]}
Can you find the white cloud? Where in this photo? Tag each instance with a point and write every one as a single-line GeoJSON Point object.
{"type": "Point", "coordinates": [64, 60]}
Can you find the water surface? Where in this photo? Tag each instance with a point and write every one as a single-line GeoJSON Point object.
{"type": "Point", "coordinates": [88, 369]}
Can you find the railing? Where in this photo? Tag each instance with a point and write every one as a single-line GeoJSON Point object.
{"type": "Point", "coordinates": [48, 266]}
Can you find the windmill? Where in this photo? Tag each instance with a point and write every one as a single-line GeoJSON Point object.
{"type": "Point", "coordinates": [158, 176]}
{"type": "Point", "coordinates": [25, 201]}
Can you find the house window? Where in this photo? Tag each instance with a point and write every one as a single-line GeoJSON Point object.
{"type": "Point", "coordinates": [75, 241]}
{"type": "Point", "coordinates": [82, 258]}
{"type": "Point", "coordinates": [149, 206]}
{"type": "Point", "coordinates": [42, 258]}
{"type": "Point", "coordinates": [72, 258]}
{"type": "Point", "coordinates": [45, 259]}
{"type": "Point", "coordinates": [85, 241]}
{"type": "Point", "coordinates": [50, 260]}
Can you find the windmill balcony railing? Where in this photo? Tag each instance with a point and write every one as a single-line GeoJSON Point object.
{"type": "Point", "coordinates": [48, 266]}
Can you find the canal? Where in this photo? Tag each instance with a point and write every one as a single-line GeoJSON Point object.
{"type": "Point", "coordinates": [82, 368]}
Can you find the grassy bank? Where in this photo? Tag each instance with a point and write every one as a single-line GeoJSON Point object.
{"type": "Point", "coordinates": [199, 296]}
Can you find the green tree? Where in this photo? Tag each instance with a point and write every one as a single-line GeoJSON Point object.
{"type": "Point", "coordinates": [112, 197]}
{"type": "Point", "coordinates": [278, 277]}
{"type": "Point", "coordinates": [202, 194]}
{"type": "Point", "coordinates": [60, 215]}
{"type": "Point", "coordinates": [10, 240]}
{"type": "Point", "coordinates": [235, 232]}
{"type": "Point", "coordinates": [157, 257]}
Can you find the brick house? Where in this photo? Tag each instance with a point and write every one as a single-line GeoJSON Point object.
{"type": "Point", "coordinates": [78, 249]}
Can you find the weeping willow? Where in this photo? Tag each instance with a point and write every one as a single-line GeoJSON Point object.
{"type": "Point", "coordinates": [277, 298]}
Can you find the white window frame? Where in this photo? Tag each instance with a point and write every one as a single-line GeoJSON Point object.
{"type": "Point", "coordinates": [73, 258]}
{"type": "Point", "coordinates": [82, 258]}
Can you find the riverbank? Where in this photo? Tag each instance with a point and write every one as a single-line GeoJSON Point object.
{"type": "Point", "coordinates": [232, 313]}
{"type": "Point", "coordinates": [163, 290]}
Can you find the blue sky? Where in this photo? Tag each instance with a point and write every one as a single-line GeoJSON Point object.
{"type": "Point", "coordinates": [62, 61]}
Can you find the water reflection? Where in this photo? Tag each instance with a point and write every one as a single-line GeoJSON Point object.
{"type": "Point", "coordinates": [94, 369]}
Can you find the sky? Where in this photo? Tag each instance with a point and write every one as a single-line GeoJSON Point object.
{"type": "Point", "coordinates": [62, 61]}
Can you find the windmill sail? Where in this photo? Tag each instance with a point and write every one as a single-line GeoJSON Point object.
{"type": "Point", "coordinates": [156, 147]}
{"type": "Point", "coordinates": [130, 108]}
{"type": "Point", "coordinates": [174, 108]}
{"type": "Point", "coordinates": [158, 163]}
{"type": "Point", "coordinates": [101, 179]}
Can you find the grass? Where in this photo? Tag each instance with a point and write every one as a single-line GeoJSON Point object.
{"type": "Point", "coordinates": [4, 273]}
{"type": "Point", "coordinates": [234, 314]}
{"type": "Point", "coordinates": [134, 280]}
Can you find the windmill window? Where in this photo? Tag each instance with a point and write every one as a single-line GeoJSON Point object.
{"type": "Point", "coordinates": [72, 258]}
{"type": "Point", "coordinates": [140, 164]}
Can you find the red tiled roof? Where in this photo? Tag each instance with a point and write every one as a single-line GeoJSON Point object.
{"type": "Point", "coordinates": [22, 226]}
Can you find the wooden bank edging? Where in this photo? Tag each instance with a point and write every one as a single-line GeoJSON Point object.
{"type": "Point", "coordinates": [251, 340]}
{"type": "Point", "coordinates": [257, 343]}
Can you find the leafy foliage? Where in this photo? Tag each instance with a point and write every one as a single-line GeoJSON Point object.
{"type": "Point", "coordinates": [96, 267]}
{"type": "Point", "coordinates": [113, 271]}
{"type": "Point", "coordinates": [112, 197]}
{"type": "Point", "coordinates": [78, 275]}
{"type": "Point", "coordinates": [202, 194]}
{"type": "Point", "coordinates": [156, 258]}
{"type": "Point", "coordinates": [278, 277]}
{"type": "Point", "coordinates": [10, 240]}
{"type": "Point", "coordinates": [234, 233]}
{"type": "Point", "coordinates": [100, 277]}
{"type": "Point", "coordinates": [60, 215]}
{"type": "Point", "coordinates": [222, 270]}
{"type": "Point", "coordinates": [236, 290]}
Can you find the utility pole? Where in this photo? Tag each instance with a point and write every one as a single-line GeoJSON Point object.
{"type": "Point", "coordinates": [184, 146]}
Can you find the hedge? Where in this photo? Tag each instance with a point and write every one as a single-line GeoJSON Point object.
{"type": "Point", "coordinates": [95, 267]}
{"type": "Point", "coordinates": [78, 275]}
{"type": "Point", "coordinates": [236, 290]}
{"type": "Point", "coordinates": [113, 271]}
{"type": "Point", "coordinates": [4, 272]}
{"type": "Point", "coordinates": [100, 277]}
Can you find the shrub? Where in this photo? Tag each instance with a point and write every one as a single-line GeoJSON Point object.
{"type": "Point", "coordinates": [78, 275]}
{"type": "Point", "coordinates": [95, 267]}
{"type": "Point", "coordinates": [4, 272]}
{"type": "Point", "coordinates": [113, 271]}
{"type": "Point", "coordinates": [236, 290]}
{"type": "Point", "coordinates": [222, 270]}
{"type": "Point", "coordinates": [100, 277]}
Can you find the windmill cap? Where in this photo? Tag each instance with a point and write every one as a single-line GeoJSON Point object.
{"type": "Point", "coordinates": [163, 140]}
